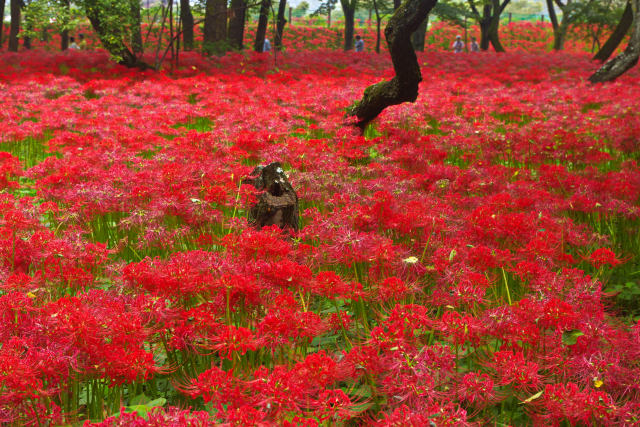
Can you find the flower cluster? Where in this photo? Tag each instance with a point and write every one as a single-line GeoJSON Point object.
{"type": "Point", "coordinates": [456, 265]}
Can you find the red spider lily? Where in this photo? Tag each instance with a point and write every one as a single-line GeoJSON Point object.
{"type": "Point", "coordinates": [435, 277]}
{"type": "Point", "coordinates": [603, 256]}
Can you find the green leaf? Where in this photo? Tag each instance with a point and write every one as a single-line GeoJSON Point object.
{"type": "Point", "coordinates": [141, 399]}
{"type": "Point", "coordinates": [144, 409]}
{"type": "Point", "coordinates": [571, 337]}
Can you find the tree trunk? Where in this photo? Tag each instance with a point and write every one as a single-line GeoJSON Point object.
{"type": "Point", "coordinates": [396, 4]}
{"type": "Point", "coordinates": [404, 86]}
{"type": "Point", "coordinates": [485, 27]}
{"type": "Point", "coordinates": [378, 21]}
{"type": "Point", "coordinates": [215, 27]}
{"type": "Point", "coordinates": [187, 24]}
{"type": "Point", "coordinates": [618, 34]}
{"type": "Point", "coordinates": [552, 14]}
{"type": "Point", "coordinates": [278, 202]}
{"type": "Point", "coordinates": [417, 38]}
{"type": "Point", "coordinates": [15, 25]}
{"type": "Point", "coordinates": [378, 25]}
{"type": "Point", "coordinates": [136, 36]}
{"type": "Point", "coordinates": [111, 39]}
{"type": "Point", "coordinates": [263, 20]}
{"type": "Point", "coordinates": [560, 34]}
{"type": "Point", "coordinates": [349, 10]}
{"type": "Point", "coordinates": [627, 59]}
{"type": "Point", "coordinates": [64, 35]}
{"type": "Point", "coordinates": [2, 4]}
{"type": "Point", "coordinates": [236, 23]}
{"type": "Point", "coordinates": [26, 42]}
{"type": "Point", "coordinates": [280, 23]}
{"type": "Point", "coordinates": [494, 35]}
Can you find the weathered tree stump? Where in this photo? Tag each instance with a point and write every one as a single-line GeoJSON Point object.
{"type": "Point", "coordinates": [278, 203]}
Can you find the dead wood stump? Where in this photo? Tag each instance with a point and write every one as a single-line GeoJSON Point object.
{"type": "Point", "coordinates": [278, 202]}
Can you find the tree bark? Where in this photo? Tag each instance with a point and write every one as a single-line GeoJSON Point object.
{"type": "Point", "coordinates": [236, 23]}
{"type": "Point", "coordinates": [560, 34]}
{"type": "Point", "coordinates": [404, 86]}
{"type": "Point", "coordinates": [396, 4]}
{"type": "Point", "coordinates": [136, 37]}
{"type": "Point", "coordinates": [280, 23]}
{"type": "Point", "coordinates": [64, 35]}
{"type": "Point", "coordinates": [187, 24]}
{"type": "Point", "coordinates": [15, 25]}
{"type": "Point", "coordinates": [614, 68]}
{"type": "Point", "coordinates": [378, 21]}
{"type": "Point", "coordinates": [215, 27]}
{"type": "Point", "coordinates": [349, 10]}
{"type": "Point", "coordinates": [112, 41]}
{"type": "Point", "coordinates": [278, 202]}
{"type": "Point", "coordinates": [417, 38]}
{"type": "Point", "coordinates": [494, 35]}
{"type": "Point", "coordinates": [263, 20]}
{"type": "Point", "coordinates": [617, 36]}
{"type": "Point", "coordinates": [485, 27]}
{"type": "Point", "coordinates": [2, 4]}
{"type": "Point", "coordinates": [554, 22]}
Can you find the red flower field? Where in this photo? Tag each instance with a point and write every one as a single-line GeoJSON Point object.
{"type": "Point", "coordinates": [472, 259]}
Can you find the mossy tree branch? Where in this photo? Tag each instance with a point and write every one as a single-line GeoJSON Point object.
{"type": "Point", "coordinates": [404, 86]}
{"type": "Point", "coordinates": [617, 66]}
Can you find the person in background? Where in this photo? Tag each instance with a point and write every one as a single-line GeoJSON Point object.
{"type": "Point", "coordinates": [474, 47]}
{"type": "Point", "coordinates": [72, 44]}
{"type": "Point", "coordinates": [266, 46]}
{"type": "Point", "coordinates": [359, 44]}
{"type": "Point", "coordinates": [458, 45]}
{"type": "Point", "coordinates": [82, 43]}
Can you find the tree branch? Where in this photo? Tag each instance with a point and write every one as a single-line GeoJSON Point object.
{"type": "Point", "coordinates": [404, 86]}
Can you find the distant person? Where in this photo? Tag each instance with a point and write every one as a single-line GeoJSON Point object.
{"type": "Point", "coordinates": [82, 43]}
{"type": "Point", "coordinates": [266, 46]}
{"type": "Point", "coordinates": [458, 46]}
{"type": "Point", "coordinates": [72, 44]}
{"type": "Point", "coordinates": [474, 46]}
{"type": "Point", "coordinates": [359, 44]}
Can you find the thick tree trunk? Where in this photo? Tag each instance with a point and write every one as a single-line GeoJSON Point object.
{"type": "Point", "coordinates": [15, 25]}
{"type": "Point", "coordinates": [485, 26]}
{"type": "Point", "coordinates": [187, 24]}
{"type": "Point", "coordinates": [417, 38]}
{"type": "Point", "coordinates": [2, 4]}
{"type": "Point", "coordinates": [113, 43]}
{"type": "Point", "coordinates": [64, 40]}
{"type": "Point", "coordinates": [215, 27]}
{"type": "Point", "coordinates": [560, 35]}
{"type": "Point", "coordinates": [404, 86]}
{"type": "Point", "coordinates": [494, 35]}
{"type": "Point", "coordinates": [236, 23]}
{"type": "Point", "coordinates": [64, 35]}
{"type": "Point", "coordinates": [263, 20]}
{"type": "Point", "coordinates": [614, 68]}
{"type": "Point", "coordinates": [349, 10]}
{"type": "Point", "coordinates": [136, 36]}
{"type": "Point", "coordinates": [484, 35]}
{"type": "Point", "coordinates": [617, 36]}
{"type": "Point", "coordinates": [280, 23]}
